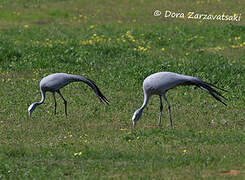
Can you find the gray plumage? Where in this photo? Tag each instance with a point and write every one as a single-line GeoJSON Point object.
{"type": "Point", "coordinates": [159, 83]}
{"type": "Point", "coordinates": [54, 82]}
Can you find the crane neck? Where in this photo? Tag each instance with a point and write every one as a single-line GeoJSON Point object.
{"type": "Point", "coordinates": [146, 99]}
{"type": "Point", "coordinates": [43, 97]}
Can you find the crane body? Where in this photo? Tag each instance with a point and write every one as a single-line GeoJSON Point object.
{"type": "Point", "coordinates": [159, 83]}
{"type": "Point", "coordinates": [54, 82]}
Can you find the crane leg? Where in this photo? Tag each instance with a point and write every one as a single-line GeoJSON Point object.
{"type": "Point", "coordinates": [65, 102]}
{"type": "Point", "coordinates": [160, 116]}
{"type": "Point", "coordinates": [169, 110]}
{"type": "Point", "coordinates": [55, 104]}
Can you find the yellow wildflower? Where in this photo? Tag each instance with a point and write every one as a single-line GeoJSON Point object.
{"type": "Point", "coordinates": [123, 129]}
{"type": "Point", "coordinates": [78, 154]}
{"type": "Point", "coordinates": [90, 41]}
{"type": "Point", "coordinates": [26, 26]}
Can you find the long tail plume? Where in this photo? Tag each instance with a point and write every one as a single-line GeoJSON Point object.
{"type": "Point", "coordinates": [207, 87]}
{"type": "Point", "coordinates": [97, 91]}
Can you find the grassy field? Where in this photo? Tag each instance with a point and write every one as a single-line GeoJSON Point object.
{"type": "Point", "coordinates": [117, 43]}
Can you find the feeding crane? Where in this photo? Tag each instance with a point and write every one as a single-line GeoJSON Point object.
{"type": "Point", "coordinates": [159, 83]}
{"type": "Point", "coordinates": [54, 82]}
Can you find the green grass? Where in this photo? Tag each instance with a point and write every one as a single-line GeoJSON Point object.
{"type": "Point", "coordinates": [118, 44]}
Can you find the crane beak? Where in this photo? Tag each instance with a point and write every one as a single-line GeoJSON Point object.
{"type": "Point", "coordinates": [134, 124]}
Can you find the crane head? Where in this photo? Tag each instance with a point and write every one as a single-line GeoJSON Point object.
{"type": "Point", "coordinates": [136, 116]}
{"type": "Point", "coordinates": [31, 108]}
